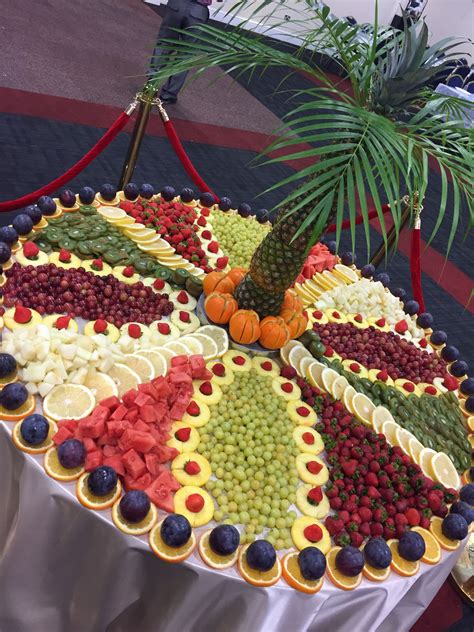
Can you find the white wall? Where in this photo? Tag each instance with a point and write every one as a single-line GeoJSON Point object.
{"type": "Point", "coordinates": [446, 18]}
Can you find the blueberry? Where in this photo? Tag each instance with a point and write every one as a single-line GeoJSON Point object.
{"type": "Point", "coordinates": [134, 505]}
{"type": "Point", "coordinates": [225, 204]}
{"type": "Point", "coordinates": [383, 278]}
{"type": "Point", "coordinates": [399, 292]}
{"type": "Point", "coordinates": [47, 205]}
{"type": "Point", "coordinates": [350, 561]}
{"type": "Point", "coordinates": [368, 271]}
{"type": "Point", "coordinates": [5, 252]}
{"type": "Point", "coordinates": [463, 509]}
{"type": "Point", "coordinates": [168, 193]}
{"type": "Point", "coordinates": [86, 195]}
{"type": "Point", "coordinates": [108, 191]}
{"type": "Point", "coordinates": [469, 403]}
{"type": "Point", "coordinates": [454, 527]}
{"type": "Point", "coordinates": [72, 453]}
{"type": "Point", "coordinates": [312, 563]}
{"type": "Point", "coordinates": [332, 247]}
{"type": "Point", "coordinates": [8, 234]}
{"type": "Point", "coordinates": [348, 258]}
{"type": "Point", "coordinates": [459, 368]}
{"type": "Point", "coordinates": [34, 213]}
{"type": "Point", "coordinates": [378, 553]}
{"type": "Point", "coordinates": [262, 216]}
{"type": "Point", "coordinates": [244, 210]}
{"type": "Point", "coordinates": [102, 480]}
{"type": "Point", "coordinates": [467, 494]}
{"type": "Point", "coordinates": [207, 199]}
{"type": "Point", "coordinates": [411, 546]}
{"type": "Point", "coordinates": [450, 353]}
{"type": "Point", "coordinates": [22, 224]}
{"type": "Point", "coordinates": [175, 530]}
{"type": "Point", "coordinates": [34, 429]}
{"type": "Point", "coordinates": [131, 191]}
{"type": "Point", "coordinates": [261, 555]}
{"type": "Point", "coordinates": [411, 307]}
{"type": "Point", "coordinates": [147, 191]}
{"type": "Point", "coordinates": [224, 539]}
{"type": "Point", "coordinates": [7, 364]}
{"type": "Point", "coordinates": [13, 396]}
{"type": "Point", "coordinates": [467, 386]}
{"type": "Point", "coordinates": [425, 320]}
{"type": "Point", "coordinates": [187, 195]}
{"type": "Point", "coordinates": [439, 337]}
{"type": "Point", "coordinates": [67, 198]}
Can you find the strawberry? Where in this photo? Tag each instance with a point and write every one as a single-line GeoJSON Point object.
{"type": "Point", "coordinates": [163, 328]}
{"type": "Point", "coordinates": [425, 523]}
{"type": "Point", "coordinates": [222, 262]}
{"type": "Point", "coordinates": [389, 532]}
{"type": "Point", "coordinates": [356, 539]}
{"type": "Point", "coordinates": [100, 326]}
{"type": "Point", "coordinates": [430, 390]}
{"type": "Point", "coordinates": [342, 539]}
{"type": "Point", "coordinates": [97, 264]}
{"type": "Point", "coordinates": [302, 410]}
{"type": "Point", "coordinates": [380, 515]}
{"type": "Point", "coordinates": [364, 529]}
{"type": "Point", "coordinates": [349, 467]}
{"type": "Point", "coordinates": [365, 501]}
{"type": "Point", "coordinates": [400, 530]}
{"type": "Point", "coordinates": [413, 517]}
{"type": "Point", "coordinates": [64, 256]}
{"type": "Point", "coordinates": [184, 317]}
{"type": "Point", "coordinates": [373, 492]}
{"type": "Point", "coordinates": [365, 514]}
{"type": "Point", "coordinates": [382, 375]}
{"type": "Point", "coordinates": [374, 466]}
{"type": "Point", "coordinates": [450, 382]}
{"type": "Point", "coordinates": [213, 247]}
{"type": "Point", "coordinates": [313, 533]}
{"type": "Point", "coordinates": [206, 388]}
{"type": "Point", "coordinates": [287, 387]}
{"type": "Point", "coordinates": [335, 503]}
{"type": "Point", "coordinates": [192, 468]}
{"type": "Point", "coordinates": [134, 331]}
{"type": "Point", "coordinates": [193, 409]}
{"type": "Point", "coordinates": [128, 271]}
{"type": "Point", "coordinates": [409, 386]}
{"type": "Point", "coordinates": [239, 360]}
{"type": "Point", "coordinates": [308, 438]}
{"type": "Point", "coordinates": [206, 234]}
{"type": "Point", "coordinates": [22, 314]}
{"type": "Point", "coordinates": [376, 529]}
{"type": "Point", "coordinates": [30, 250]}
{"type": "Point", "coordinates": [442, 511]}
{"type": "Point", "coordinates": [183, 298]}
{"type": "Point", "coordinates": [318, 314]}
{"type": "Point", "coordinates": [423, 343]}
{"type": "Point", "coordinates": [218, 369]}
{"type": "Point", "coordinates": [401, 327]}
{"type": "Point", "coordinates": [183, 434]}
{"type": "Point", "coordinates": [315, 495]}
{"type": "Point", "coordinates": [344, 516]}
{"type": "Point", "coordinates": [329, 352]}
{"type": "Point", "coordinates": [380, 322]}
{"type": "Point", "coordinates": [314, 467]}
{"type": "Point", "coordinates": [288, 372]}
{"type": "Point", "coordinates": [371, 479]}
{"type": "Point", "coordinates": [358, 318]}
{"type": "Point", "coordinates": [62, 322]}
{"type": "Point", "coordinates": [194, 503]}
{"type": "Point", "coordinates": [267, 366]}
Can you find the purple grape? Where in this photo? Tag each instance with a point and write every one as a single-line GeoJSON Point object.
{"type": "Point", "coordinates": [368, 271]}
{"type": "Point", "coordinates": [86, 195]}
{"type": "Point", "coordinates": [168, 193]}
{"type": "Point", "coordinates": [67, 198]}
{"type": "Point", "coordinates": [207, 199]}
{"type": "Point", "coordinates": [425, 320]}
{"type": "Point", "coordinates": [34, 213]}
{"type": "Point", "coordinates": [23, 224]}
{"type": "Point", "coordinates": [130, 191]}
{"type": "Point", "coordinates": [135, 506]}
{"type": "Point", "coordinates": [383, 278]}
{"type": "Point", "coordinates": [411, 307]}
{"type": "Point", "coordinates": [47, 205]}
{"type": "Point", "coordinates": [262, 216]}
{"type": "Point", "coordinates": [108, 192]}
{"type": "Point", "coordinates": [147, 191]}
{"type": "Point", "coordinates": [225, 204]}
{"type": "Point", "coordinates": [187, 195]}
{"type": "Point", "coordinates": [71, 453]}
{"type": "Point", "coordinates": [8, 234]}
{"type": "Point", "coordinates": [5, 252]}
{"type": "Point", "coordinates": [348, 258]}
{"type": "Point", "coordinates": [244, 210]}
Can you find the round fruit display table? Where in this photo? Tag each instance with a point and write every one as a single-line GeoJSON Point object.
{"type": "Point", "coordinates": [169, 460]}
{"type": "Point", "coordinates": [81, 573]}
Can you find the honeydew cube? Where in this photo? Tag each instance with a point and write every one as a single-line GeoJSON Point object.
{"type": "Point", "coordinates": [52, 378]}
{"type": "Point", "coordinates": [84, 353]}
{"type": "Point", "coordinates": [34, 373]}
{"type": "Point", "coordinates": [44, 388]}
{"type": "Point", "coordinates": [32, 388]}
{"type": "Point", "coordinates": [106, 364]}
{"type": "Point", "coordinates": [42, 350]}
{"type": "Point", "coordinates": [79, 377]}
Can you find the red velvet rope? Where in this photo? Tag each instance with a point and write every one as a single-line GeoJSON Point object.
{"type": "Point", "coordinates": [71, 173]}
{"type": "Point", "coordinates": [415, 268]}
{"type": "Point", "coordinates": [185, 161]}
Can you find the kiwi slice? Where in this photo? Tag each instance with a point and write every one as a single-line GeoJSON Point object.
{"type": "Point", "coordinates": [67, 243]}
{"type": "Point", "coordinates": [87, 209]}
{"type": "Point", "coordinates": [163, 273]}
{"type": "Point", "coordinates": [180, 276]}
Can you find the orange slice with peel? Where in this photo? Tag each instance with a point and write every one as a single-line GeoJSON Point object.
{"type": "Point", "coordinates": [171, 554]}
{"type": "Point", "coordinates": [437, 531]}
{"type": "Point", "coordinates": [54, 468]}
{"type": "Point", "coordinates": [21, 412]}
{"type": "Point", "coordinates": [91, 501]}
{"type": "Point", "coordinates": [134, 528]}
{"type": "Point", "coordinates": [293, 577]}
{"type": "Point", "coordinates": [212, 559]}
{"type": "Point", "coordinates": [399, 564]}
{"type": "Point", "coordinates": [432, 553]}
{"type": "Point", "coordinates": [375, 574]}
{"type": "Point", "coordinates": [33, 449]}
{"type": "Point", "coordinates": [338, 579]}
{"type": "Point", "coordinates": [258, 578]}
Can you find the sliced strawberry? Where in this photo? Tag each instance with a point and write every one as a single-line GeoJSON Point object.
{"type": "Point", "coordinates": [308, 438]}
{"type": "Point", "coordinates": [97, 264]}
{"type": "Point", "coordinates": [184, 317]}
{"type": "Point", "coordinates": [218, 369]}
{"type": "Point", "coordinates": [358, 318]}
{"type": "Point", "coordinates": [401, 327]}
{"type": "Point", "coordinates": [164, 328]}
{"type": "Point", "coordinates": [62, 322]}
{"type": "Point", "coordinates": [206, 388]}
{"type": "Point", "coordinates": [267, 366]}
{"type": "Point", "coordinates": [239, 360]}
{"type": "Point", "coordinates": [336, 315]}
{"type": "Point", "coordinates": [354, 367]}
{"type": "Point", "coordinates": [193, 409]}
{"type": "Point", "coordinates": [287, 387]}
{"type": "Point", "coordinates": [380, 322]}
{"type": "Point", "coordinates": [222, 262]}
{"type": "Point", "coordinates": [183, 298]}
{"type": "Point", "coordinates": [158, 284]}
{"type": "Point", "coordinates": [302, 411]}
{"type": "Point", "coordinates": [315, 495]}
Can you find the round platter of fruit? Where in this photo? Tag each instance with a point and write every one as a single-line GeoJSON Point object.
{"type": "Point", "coordinates": [321, 447]}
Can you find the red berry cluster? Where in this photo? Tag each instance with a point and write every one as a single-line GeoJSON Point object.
{"type": "Point", "coordinates": [382, 350]}
{"type": "Point", "coordinates": [309, 394]}
{"type": "Point", "coordinates": [51, 290]}
{"type": "Point", "coordinates": [375, 489]}
{"type": "Point", "coordinates": [177, 224]}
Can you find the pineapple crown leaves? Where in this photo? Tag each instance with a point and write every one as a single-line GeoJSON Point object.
{"type": "Point", "coordinates": [360, 148]}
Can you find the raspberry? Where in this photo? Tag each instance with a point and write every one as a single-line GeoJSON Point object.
{"type": "Point", "coordinates": [206, 388]}
{"type": "Point", "coordinates": [22, 314]}
{"type": "Point", "coordinates": [64, 256]}
{"type": "Point", "coordinates": [100, 326]}
{"type": "Point", "coordinates": [158, 284]}
{"type": "Point", "coordinates": [30, 250]}
{"type": "Point", "coordinates": [222, 262]}
{"type": "Point", "coordinates": [401, 327]}
{"type": "Point", "coordinates": [194, 503]}
{"type": "Point", "coordinates": [239, 360]}
{"type": "Point", "coordinates": [128, 271]}
{"type": "Point", "coordinates": [313, 533]}
{"type": "Point", "coordinates": [218, 369]}
{"type": "Point", "coordinates": [183, 434]}
{"type": "Point", "coordinates": [134, 330]}
{"type": "Point", "coordinates": [287, 387]}
{"type": "Point", "coordinates": [184, 317]}
{"type": "Point", "coordinates": [302, 411]}
{"type": "Point", "coordinates": [163, 328]}
{"type": "Point", "coordinates": [267, 366]}
{"type": "Point", "coordinates": [308, 438]}
{"type": "Point", "coordinates": [314, 467]}
{"type": "Point", "coordinates": [193, 409]}
{"type": "Point", "coordinates": [62, 322]}
{"type": "Point", "coordinates": [182, 298]}
{"type": "Point", "coordinates": [192, 468]}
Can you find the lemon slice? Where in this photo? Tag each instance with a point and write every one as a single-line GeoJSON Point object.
{"type": "Point", "coordinates": [328, 377]}
{"type": "Point", "coordinates": [425, 459]}
{"type": "Point", "coordinates": [142, 367]}
{"type": "Point", "coordinates": [363, 408]}
{"type": "Point", "coordinates": [176, 347]}
{"type": "Point", "coordinates": [348, 274]}
{"type": "Point", "coordinates": [136, 228]}
{"type": "Point", "coordinates": [194, 345]}
{"type": "Point", "coordinates": [379, 416]}
{"type": "Point", "coordinates": [415, 448]}
{"type": "Point", "coordinates": [101, 385]}
{"type": "Point", "coordinates": [218, 335]}
{"type": "Point", "coordinates": [402, 438]}
{"type": "Point", "coordinates": [389, 429]}
{"type": "Point", "coordinates": [306, 362]}
{"type": "Point", "coordinates": [167, 354]}
{"type": "Point", "coordinates": [338, 387]}
{"type": "Point", "coordinates": [348, 396]}
{"type": "Point", "coordinates": [157, 359]}
{"type": "Point", "coordinates": [314, 374]}
{"type": "Point", "coordinates": [124, 378]}
{"type": "Point", "coordinates": [68, 401]}
{"type": "Point", "coordinates": [444, 471]}
{"type": "Point", "coordinates": [210, 348]}
{"type": "Point", "coordinates": [285, 351]}
{"type": "Point", "coordinates": [111, 213]}
{"type": "Point", "coordinates": [295, 357]}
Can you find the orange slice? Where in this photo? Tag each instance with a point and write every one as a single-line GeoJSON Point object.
{"type": "Point", "coordinates": [54, 468]}
{"type": "Point", "coordinates": [213, 559]}
{"type": "Point", "coordinates": [375, 574]}
{"type": "Point", "coordinates": [338, 579]}
{"type": "Point", "coordinates": [96, 502]}
{"type": "Point", "coordinates": [293, 577]}
{"type": "Point", "coordinates": [399, 564]}
{"type": "Point", "coordinates": [20, 413]}
{"type": "Point", "coordinates": [433, 550]}
{"type": "Point", "coordinates": [170, 553]}
{"type": "Point", "coordinates": [33, 449]}
{"type": "Point", "coordinates": [134, 528]}
{"type": "Point", "coordinates": [436, 530]}
{"type": "Point", "coordinates": [258, 578]}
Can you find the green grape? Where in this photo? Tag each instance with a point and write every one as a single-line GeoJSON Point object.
{"type": "Point", "coordinates": [234, 517]}
{"type": "Point", "coordinates": [218, 515]}
{"type": "Point", "coordinates": [271, 522]}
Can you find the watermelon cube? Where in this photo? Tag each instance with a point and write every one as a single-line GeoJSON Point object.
{"type": "Point", "coordinates": [106, 439]}
{"type": "Point", "coordinates": [61, 435]}
{"type": "Point", "coordinates": [133, 414]}
{"type": "Point", "coordinates": [147, 414]}
{"type": "Point", "coordinates": [89, 444]}
{"type": "Point", "coordinates": [92, 427]}
{"type": "Point", "coordinates": [129, 397]}
{"type": "Point", "coordinates": [101, 413]}
{"type": "Point", "coordinates": [115, 461]}
{"type": "Point", "coordinates": [181, 378]}
{"type": "Point", "coordinates": [110, 402]}
{"type": "Point", "coordinates": [93, 460]}
{"type": "Point", "coordinates": [141, 426]}
{"type": "Point", "coordinates": [110, 450]}
{"type": "Point", "coordinates": [179, 360]}
{"type": "Point", "coordinates": [160, 493]}
{"type": "Point", "coordinates": [70, 424]}
{"type": "Point", "coordinates": [119, 412]}
{"type": "Point", "coordinates": [177, 410]}
{"type": "Point", "coordinates": [153, 464]}
{"type": "Point", "coordinates": [141, 441]}
{"type": "Point", "coordinates": [148, 389]}
{"type": "Point", "coordinates": [117, 428]}
{"type": "Point", "coordinates": [162, 387]}
{"type": "Point", "coordinates": [133, 463]}
{"type": "Point", "coordinates": [161, 413]}
{"type": "Point", "coordinates": [165, 453]}
{"type": "Point", "coordinates": [141, 482]}
{"type": "Point", "coordinates": [143, 399]}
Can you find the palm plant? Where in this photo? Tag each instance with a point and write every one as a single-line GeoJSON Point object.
{"type": "Point", "coordinates": [369, 144]}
